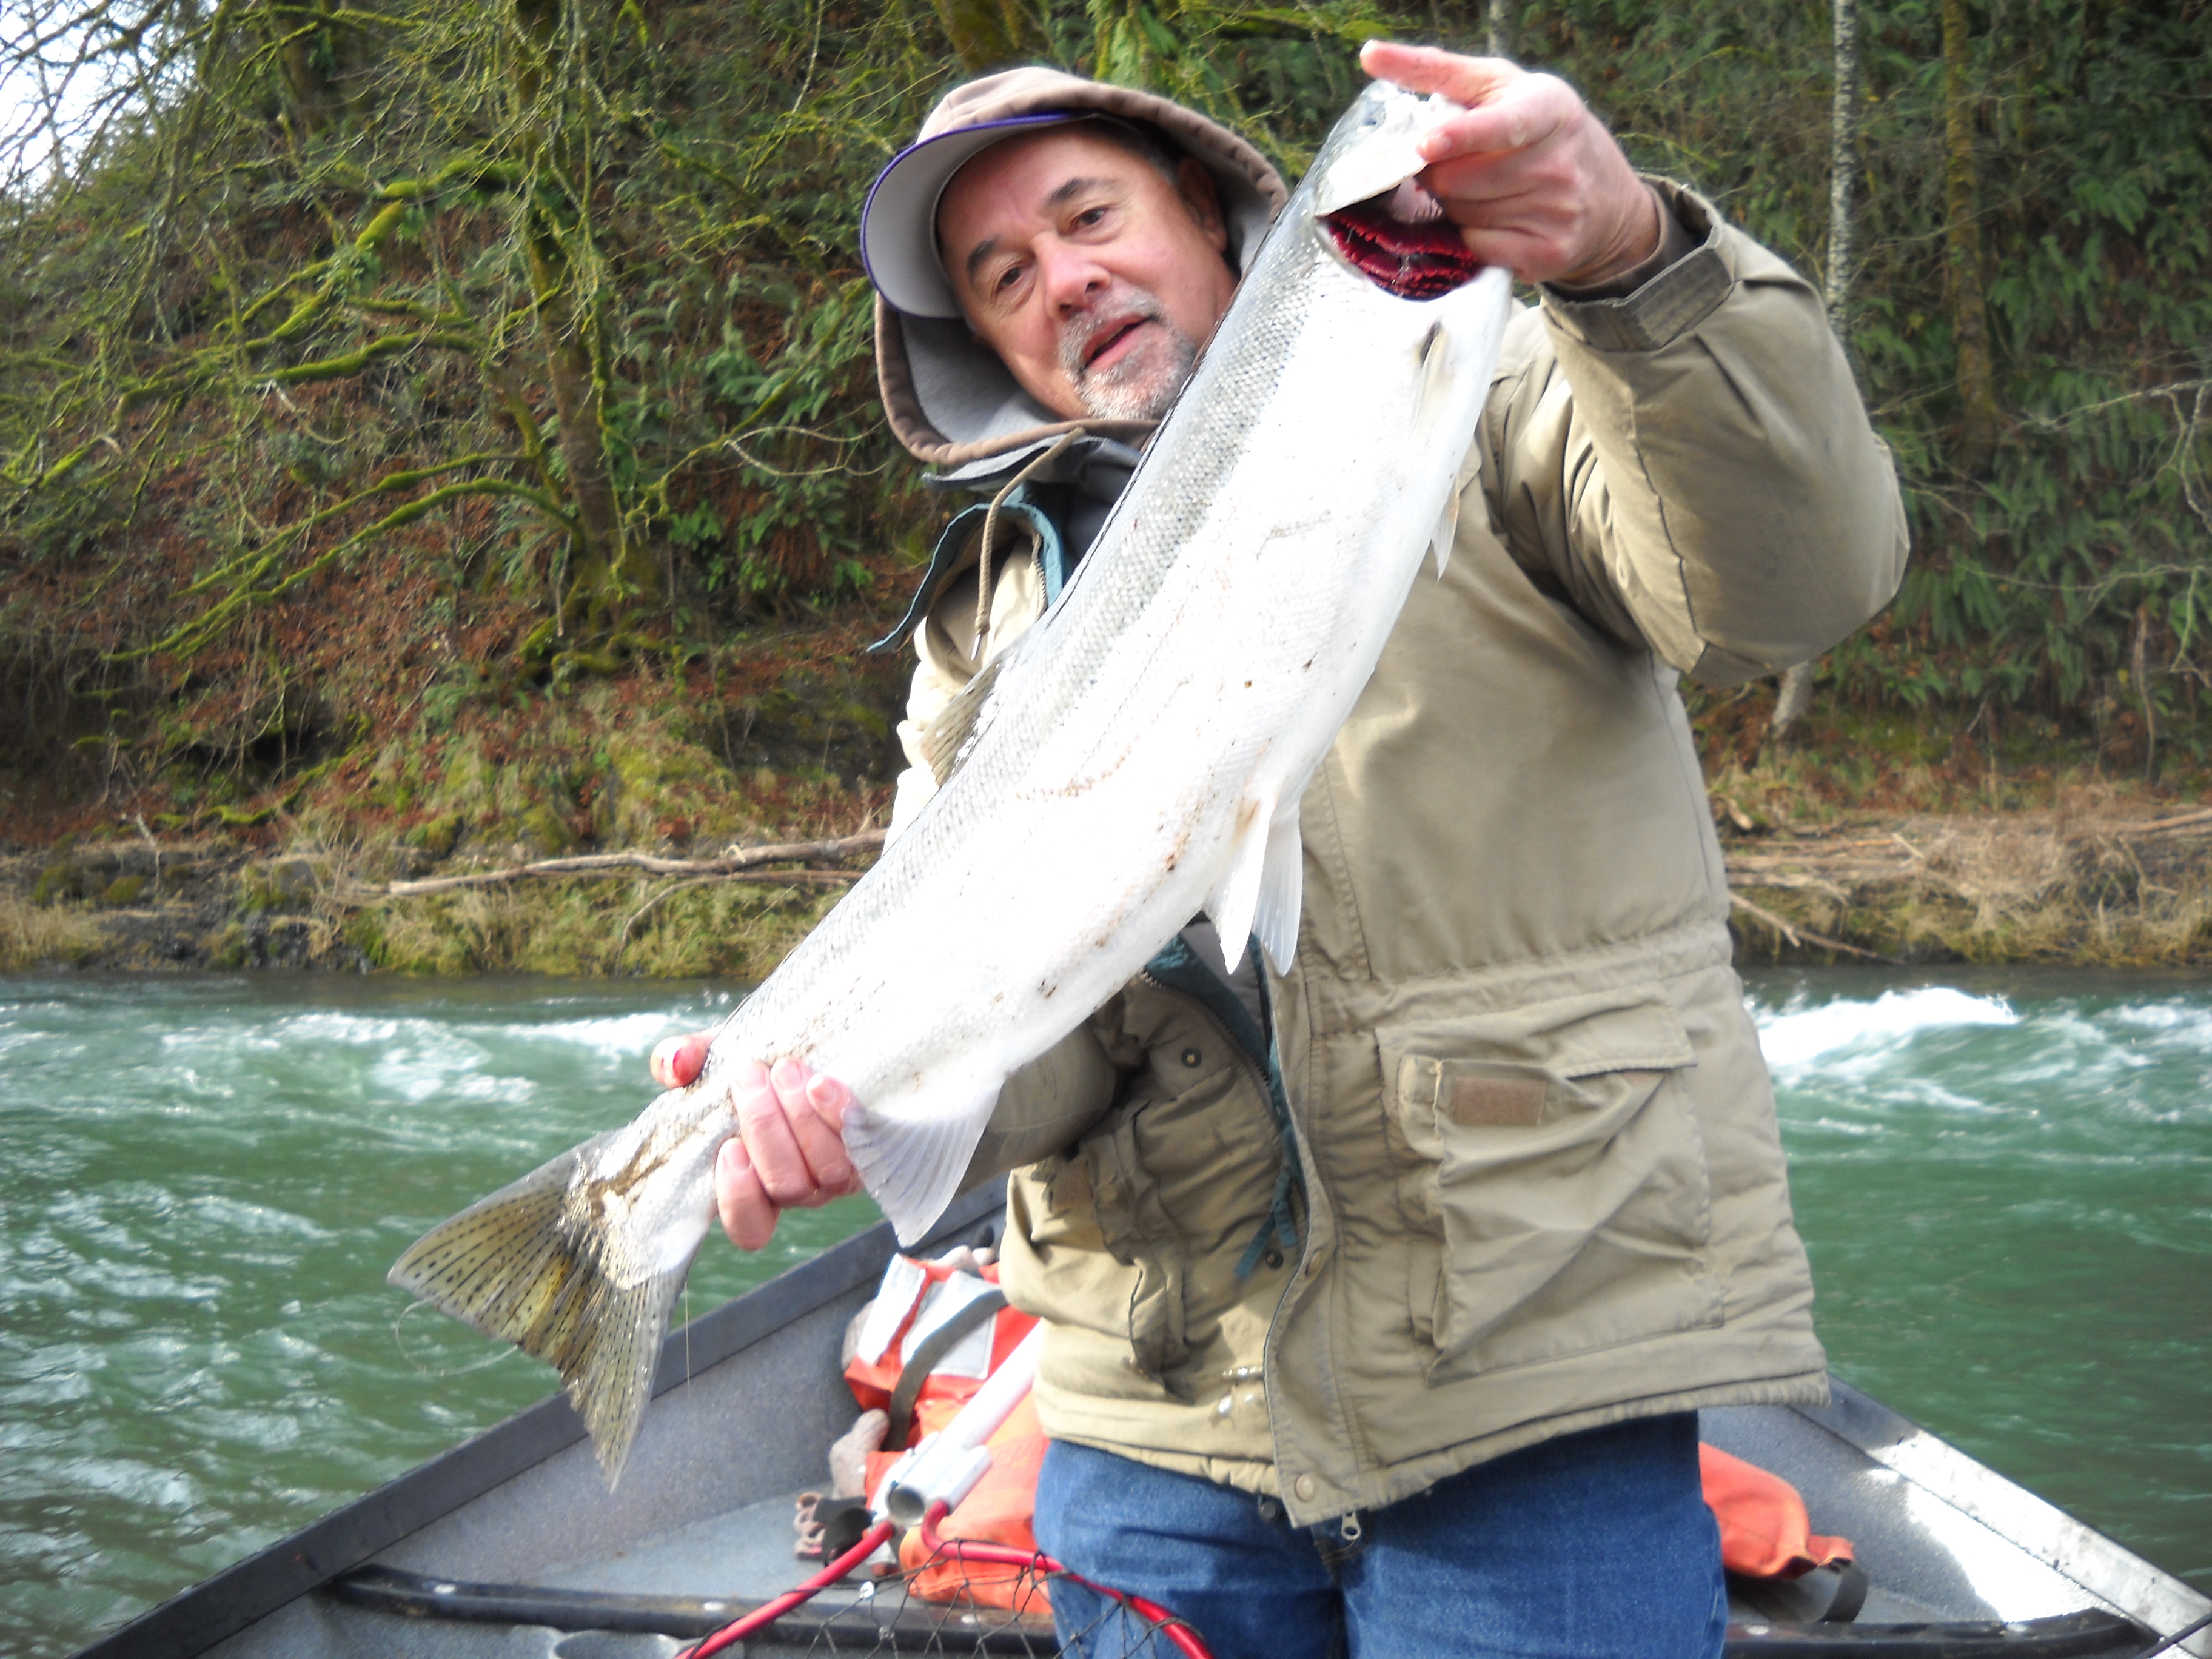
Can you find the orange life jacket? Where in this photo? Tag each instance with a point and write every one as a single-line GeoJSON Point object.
{"type": "Point", "coordinates": [1765, 1530]}
{"type": "Point", "coordinates": [999, 1508]}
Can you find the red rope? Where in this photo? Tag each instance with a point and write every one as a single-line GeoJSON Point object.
{"type": "Point", "coordinates": [769, 1611]}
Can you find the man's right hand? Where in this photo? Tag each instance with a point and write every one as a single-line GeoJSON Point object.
{"type": "Point", "coordinates": [789, 1150]}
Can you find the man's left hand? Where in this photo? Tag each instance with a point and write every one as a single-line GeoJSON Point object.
{"type": "Point", "coordinates": [789, 1151]}
{"type": "Point", "coordinates": [1531, 177]}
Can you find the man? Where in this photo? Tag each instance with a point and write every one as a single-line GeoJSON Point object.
{"type": "Point", "coordinates": [1382, 1294]}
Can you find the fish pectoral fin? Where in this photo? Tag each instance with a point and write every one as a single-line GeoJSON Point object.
{"type": "Point", "coordinates": [912, 1160]}
{"type": "Point", "coordinates": [1435, 393]}
{"type": "Point", "coordinates": [525, 1265]}
{"type": "Point", "coordinates": [1447, 528]}
{"type": "Point", "coordinates": [1434, 400]}
{"type": "Point", "coordinates": [1259, 892]}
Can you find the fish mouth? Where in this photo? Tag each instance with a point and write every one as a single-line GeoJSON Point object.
{"type": "Point", "coordinates": [1403, 243]}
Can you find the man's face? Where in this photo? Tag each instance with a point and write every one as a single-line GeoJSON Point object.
{"type": "Point", "coordinates": [1096, 278]}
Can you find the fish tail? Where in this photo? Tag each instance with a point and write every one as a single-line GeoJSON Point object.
{"type": "Point", "coordinates": [529, 1267]}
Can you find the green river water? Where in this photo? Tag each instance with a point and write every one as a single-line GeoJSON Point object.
{"type": "Point", "coordinates": [2005, 1180]}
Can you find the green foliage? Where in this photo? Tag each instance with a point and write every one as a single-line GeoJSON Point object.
{"type": "Point", "coordinates": [503, 254]}
{"type": "Point", "coordinates": [2070, 575]}
{"type": "Point", "coordinates": [558, 304]}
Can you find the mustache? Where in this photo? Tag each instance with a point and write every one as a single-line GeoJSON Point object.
{"type": "Point", "coordinates": [1119, 310]}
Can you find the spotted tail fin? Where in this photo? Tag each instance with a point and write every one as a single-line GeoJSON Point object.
{"type": "Point", "coordinates": [529, 1266]}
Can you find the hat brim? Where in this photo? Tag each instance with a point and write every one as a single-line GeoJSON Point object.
{"type": "Point", "coordinates": [898, 223]}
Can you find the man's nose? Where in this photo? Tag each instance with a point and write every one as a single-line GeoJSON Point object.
{"type": "Point", "coordinates": [1071, 276]}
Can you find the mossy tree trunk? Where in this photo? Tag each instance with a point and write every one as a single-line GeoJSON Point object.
{"type": "Point", "coordinates": [602, 569]}
{"type": "Point", "coordinates": [605, 570]}
{"type": "Point", "coordinates": [990, 34]}
{"type": "Point", "coordinates": [1843, 167]}
{"type": "Point", "coordinates": [318, 60]}
{"type": "Point", "coordinates": [1977, 405]}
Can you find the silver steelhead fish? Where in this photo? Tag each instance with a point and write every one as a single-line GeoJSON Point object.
{"type": "Point", "coordinates": [1135, 758]}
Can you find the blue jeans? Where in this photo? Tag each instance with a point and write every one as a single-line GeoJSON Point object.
{"type": "Point", "coordinates": [1596, 1544]}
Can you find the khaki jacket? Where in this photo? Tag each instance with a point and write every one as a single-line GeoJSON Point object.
{"type": "Point", "coordinates": [1539, 1182]}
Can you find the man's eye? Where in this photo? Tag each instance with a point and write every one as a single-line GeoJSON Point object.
{"type": "Point", "coordinates": [1007, 278]}
{"type": "Point", "coordinates": [1089, 217]}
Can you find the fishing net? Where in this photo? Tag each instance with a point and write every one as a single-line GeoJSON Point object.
{"type": "Point", "coordinates": [888, 1616]}
{"type": "Point", "coordinates": [941, 1602]}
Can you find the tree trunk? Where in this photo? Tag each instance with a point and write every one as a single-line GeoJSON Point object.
{"type": "Point", "coordinates": [1842, 164]}
{"type": "Point", "coordinates": [1500, 20]}
{"type": "Point", "coordinates": [317, 64]}
{"type": "Point", "coordinates": [604, 570]}
{"type": "Point", "coordinates": [1796, 695]}
{"type": "Point", "coordinates": [990, 33]}
{"type": "Point", "coordinates": [600, 566]}
{"type": "Point", "coordinates": [1790, 701]}
{"type": "Point", "coordinates": [1978, 406]}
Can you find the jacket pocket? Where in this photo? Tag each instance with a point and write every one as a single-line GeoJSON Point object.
{"type": "Point", "coordinates": [1137, 1234]}
{"type": "Point", "coordinates": [1560, 1173]}
{"type": "Point", "coordinates": [1090, 1247]}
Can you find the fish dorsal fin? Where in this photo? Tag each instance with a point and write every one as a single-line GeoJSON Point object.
{"type": "Point", "coordinates": [947, 739]}
{"type": "Point", "coordinates": [1261, 889]}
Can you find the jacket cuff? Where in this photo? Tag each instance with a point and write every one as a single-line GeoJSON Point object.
{"type": "Point", "coordinates": [1667, 305]}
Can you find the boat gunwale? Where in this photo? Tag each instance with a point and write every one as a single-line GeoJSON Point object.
{"type": "Point", "coordinates": [2084, 1633]}
{"type": "Point", "coordinates": [2100, 1566]}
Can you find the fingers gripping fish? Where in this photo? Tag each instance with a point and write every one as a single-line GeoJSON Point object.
{"type": "Point", "coordinates": [1156, 730]}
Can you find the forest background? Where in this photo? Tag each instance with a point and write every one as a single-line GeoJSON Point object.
{"type": "Point", "coordinates": [437, 436]}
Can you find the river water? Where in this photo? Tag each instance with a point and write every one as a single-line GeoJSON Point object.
{"type": "Point", "coordinates": [2004, 1178]}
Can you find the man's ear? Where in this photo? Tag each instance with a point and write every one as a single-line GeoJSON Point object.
{"type": "Point", "coordinates": [1195, 184]}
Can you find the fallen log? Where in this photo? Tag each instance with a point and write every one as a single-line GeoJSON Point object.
{"type": "Point", "coordinates": [1801, 936]}
{"type": "Point", "coordinates": [2160, 826]}
{"type": "Point", "coordinates": [739, 864]}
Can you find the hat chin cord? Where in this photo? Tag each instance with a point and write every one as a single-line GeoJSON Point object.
{"type": "Point", "coordinates": [991, 532]}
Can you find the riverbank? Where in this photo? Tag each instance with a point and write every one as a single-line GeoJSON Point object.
{"type": "Point", "coordinates": [108, 860]}
{"type": "Point", "coordinates": [2116, 883]}
{"type": "Point", "coordinates": [2095, 875]}
{"type": "Point", "coordinates": [1901, 836]}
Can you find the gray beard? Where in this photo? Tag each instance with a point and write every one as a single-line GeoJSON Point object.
{"type": "Point", "coordinates": [1141, 389]}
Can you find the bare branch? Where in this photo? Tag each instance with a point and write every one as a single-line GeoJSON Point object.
{"type": "Point", "coordinates": [739, 862]}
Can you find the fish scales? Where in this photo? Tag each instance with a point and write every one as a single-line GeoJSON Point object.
{"type": "Point", "coordinates": [1135, 758]}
